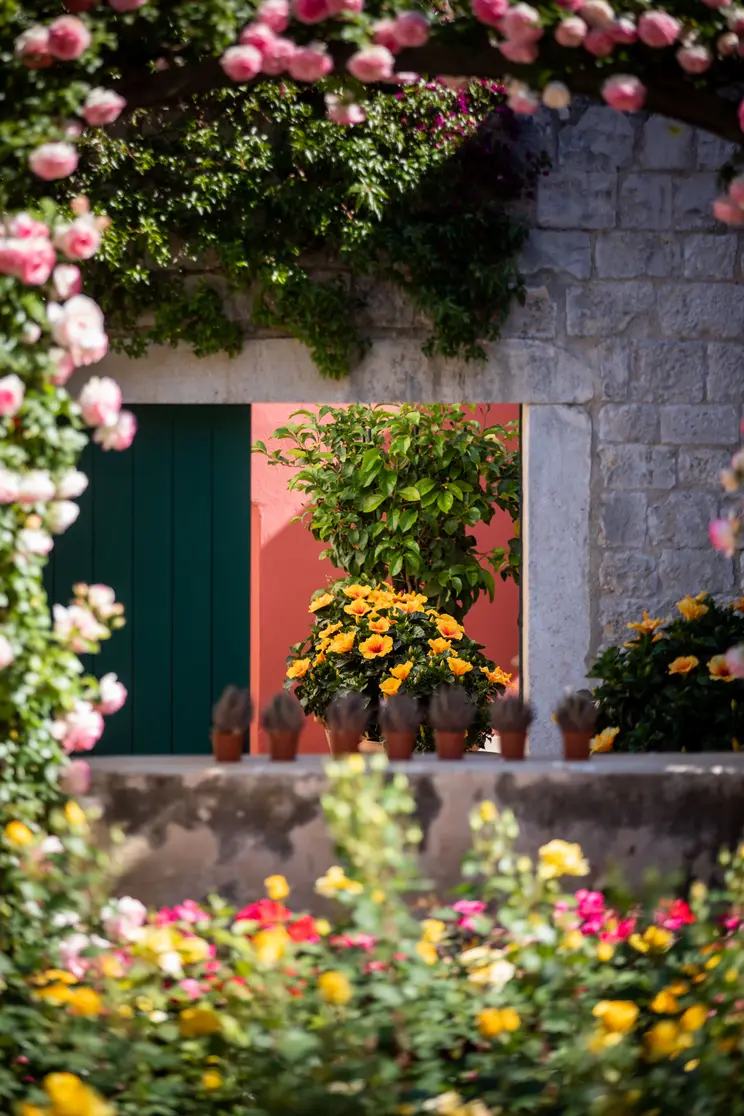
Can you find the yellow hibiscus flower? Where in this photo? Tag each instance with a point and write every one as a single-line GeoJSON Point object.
{"type": "Point", "coordinates": [356, 592]}
{"type": "Point", "coordinates": [646, 626]}
{"type": "Point", "coordinates": [718, 669]}
{"type": "Point", "coordinates": [604, 740]}
{"type": "Point", "coordinates": [321, 602]}
{"type": "Point", "coordinates": [342, 643]}
{"type": "Point", "coordinates": [390, 686]}
{"type": "Point", "coordinates": [402, 670]}
{"type": "Point", "coordinates": [329, 630]}
{"type": "Point", "coordinates": [357, 608]}
{"type": "Point", "coordinates": [459, 666]}
{"type": "Point", "coordinates": [683, 664]}
{"type": "Point", "coordinates": [439, 646]}
{"type": "Point", "coordinates": [379, 625]}
{"type": "Point", "coordinates": [448, 627]}
{"type": "Point", "coordinates": [376, 647]}
{"type": "Point", "coordinates": [298, 669]}
{"type": "Point", "coordinates": [497, 676]}
{"type": "Point", "coordinates": [691, 609]}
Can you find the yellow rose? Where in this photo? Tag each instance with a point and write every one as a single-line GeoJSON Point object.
{"type": "Point", "coordinates": [433, 930]}
{"type": "Point", "coordinates": [664, 1003]}
{"type": "Point", "coordinates": [573, 940]}
{"type": "Point", "coordinates": [27, 1109]}
{"type": "Point", "coordinates": [618, 1016]}
{"type": "Point", "coordinates": [211, 1080]}
{"type": "Point", "coordinates": [665, 1040]}
{"type": "Point", "coordinates": [694, 1018]}
{"type": "Point", "coordinates": [402, 670]}
{"type": "Point", "coordinates": [487, 812]}
{"type": "Point", "coordinates": [198, 1022]}
{"type": "Point", "coordinates": [690, 609]}
{"type": "Point", "coordinates": [605, 951]}
{"type": "Point", "coordinates": [298, 669]}
{"type": "Point", "coordinates": [336, 880]}
{"type": "Point", "coordinates": [84, 1001]}
{"type": "Point", "coordinates": [683, 664]}
{"type": "Point", "coordinates": [276, 887]}
{"type": "Point", "coordinates": [75, 815]}
{"type": "Point", "coordinates": [270, 945]}
{"type": "Point", "coordinates": [390, 686]}
{"type": "Point", "coordinates": [494, 1021]}
{"type": "Point", "coordinates": [376, 647]}
{"type": "Point", "coordinates": [323, 926]}
{"type": "Point", "coordinates": [562, 858]}
{"type": "Point", "coordinates": [426, 952]}
{"type": "Point", "coordinates": [192, 950]}
{"type": "Point", "coordinates": [70, 1097]}
{"type": "Point", "coordinates": [321, 602]}
{"type": "Point", "coordinates": [459, 666]}
{"type": "Point", "coordinates": [18, 833]}
{"type": "Point", "coordinates": [334, 988]}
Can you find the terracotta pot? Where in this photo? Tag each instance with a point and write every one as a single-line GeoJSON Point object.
{"type": "Point", "coordinates": [399, 745]}
{"type": "Point", "coordinates": [370, 747]}
{"type": "Point", "coordinates": [283, 746]}
{"type": "Point", "coordinates": [227, 747]}
{"type": "Point", "coordinates": [513, 745]}
{"type": "Point", "coordinates": [576, 745]}
{"type": "Point", "coordinates": [343, 743]}
{"type": "Point", "coordinates": [450, 745]}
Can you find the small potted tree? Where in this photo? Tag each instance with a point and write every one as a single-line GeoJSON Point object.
{"type": "Point", "coordinates": [451, 714]}
{"type": "Point", "coordinates": [282, 721]}
{"type": "Point", "coordinates": [511, 718]}
{"type": "Point", "coordinates": [347, 718]}
{"type": "Point", "coordinates": [400, 719]}
{"type": "Point", "coordinates": [231, 719]}
{"type": "Point", "coordinates": [577, 719]}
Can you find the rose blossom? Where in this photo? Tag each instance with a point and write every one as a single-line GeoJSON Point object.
{"type": "Point", "coordinates": [736, 192]}
{"type": "Point", "coordinates": [33, 542]}
{"type": "Point", "coordinates": [10, 484]}
{"type": "Point", "coordinates": [113, 695]}
{"type": "Point", "coordinates": [29, 259]}
{"type": "Point", "coordinates": [310, 63]}
{"type": "Point", "coordinates": [30, 333]}
{"type": "Point", "coordinates": [100, 401]}
{"type": "Point", "coordinates": [694, 58]}
{"type": "Point", "coordinates": [102, 106]}
{"type": "Point", "coordinates": [522, 100]}
{"type": "Point", "coordinates": [276, 52]}
{"type": "Point", "coordinates": [79, 240]}
{"type": "Point", "coordinates": [735, 661]}
{"type": "Point", "coordinates": [75, 777]}
{"type": "Point", "coordinates": [123, 918]}
{"type": "Point", "coordinates": [68, 38]}
{"type": "Point", "coordinates": [468, 909]}
{"type": "Point", "coordinates": [80, 729]}
{"type": "Point", "coordinates": [338, 7]}
{"type": "Point", "coordinates": [310, 11]}
{"type": "Point", "coordinates": [597, 13]}
{"type": "Point", "coordinates": [727, 44]}
{"type": "Point", "coordinates": [63, 363]}
{"type": "Point", "coordinates": [372, 63]}
{"type": "Point", "coordinates": [556, 95]}
{"type": "Point", "coordinates": [6, 652]}
{"type": "Point", "coordinates": [624, 92]}
{"type": "Point", "coordinates": [383, 34]}
{"type": "Point", "coordinates": [343, 112]}
{"type": "Point", "coordinates": [257, 35]}
{"type": "Point", "coordinates": [623, 31]}
{"type": "Point", "coordinates": [53, 160]}
{"type": "Point", "coordinates": [571, 32]}
{"type": "Point", "coordinates": [11, 395]}
{"type": "Point", "coordinates": [411, 29]}
{"type": "Point", "coordinates": [725, 210]}
{"type": "Point", "coordinates": [102, 599]}
{"type": "Point", "coordinates": [32, 47]}
{"type": "Point", "coordinates": [522, 24]}
{"type": "Point", "coordinates": [119, 436]}
{"type": "Point", "coordinates": [71, 484]}
{"type": "Point", "coordinates": [23, 225]}
{"type": "Point", "coordinates": [724, 534]}
{"type": "Point", "coordinates": [78, 326]}
{"type": "Point", "coordinates": [36, 487]}
{"type": "Point", "coordinates": [658, 29]}
{"type": "Point", "coordinates": [127, 5]}
{"type": "Point", "coordinates": [599, 43]}
{"type": "Point", "coordinates": [69, 954]}
{"type": "Point", "coordinates": [60, 515]}
{"type": "Point", "coordinates": [241, 63]}
{"type": "Point", "coordinates": [274, 13]}
{"type": "Point", "coordinates": [490, 12]}
{"type": "Point", "coordinates": [77, 627]}
{"type": "Point", "coordinates": [67, 281]}
{"type": "Point", "coordinates": [524, 53]}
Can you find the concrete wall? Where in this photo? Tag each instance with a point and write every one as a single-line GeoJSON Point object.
{"type": "Point", "coordinates": [628, 356]}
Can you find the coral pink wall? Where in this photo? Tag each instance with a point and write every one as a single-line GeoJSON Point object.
{"type": "Point", "coordinates": [287, 571]}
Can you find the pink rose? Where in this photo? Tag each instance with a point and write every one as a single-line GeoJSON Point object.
{"type": "Point", "coordinates": [257, 35]}
{"type": "Point", "coordinates": [83, 727]}
{"type": "Point", "coordinates": [371, 64]}
{"type": "Point", "coordinates": [77, 628]}
{"type": "Point", "coordinates": [23, 225]}
{"type": "Point", "coordinates": [735, 661]}
{"type": "Point", "coordinates": [113, 695]}
{"type": "Point", "coordinates": [694, 59]}
{"type": "Point", "coordinates": [36, 487]}
{"type": "Point", "coordinates": [192, 988]}
{"type": "Point", "coordinates": [71, 485]}
{"type": "Point", "coordinates": [556, 95]}
{"type": "Point", "coordinates": [383, 34]}
{"type": "Point", "coordinates": [724, 536]}
{"type": "Point", "coordinates": [53, 160]}
{"type": "Point", "coordinates": [62, 365]}
{"type": "Point", "coordinates": [624, 92]}
{"type": "Point", "coordinates": [727, 44]}
{"type": "Point", "coordinates": [411, 29]}
{"type": "Point", "coordinates": [127, 5]}
{"type": "Point", "coordinates": [490, 12]}
{"type": "Point", "coordinates": [68, 38]}
{"type": "Point", "coordinates": [570, 32]}
{"type": "Point", "coordinates": [29, 259]}
{"type": "Point", "coordinates": [338, 7]}
{"type": "Point", "coordinates": [78, 326]}
{"type": "Point", "coordinates": [119, 436]}
{"type": "Point", "coordinates": [11, 395]}
{"type": "Point", "coordinates": [597, 13]}
{"type": "Point", "coordinates": [310, 63]}
{"type": "Point", "coordinates": [123, 918]}
{"type": "Point", "coordinates": [79, 240]}
{"type": "Point", "coordinates": [344, 112]}
{"type": "Point", "coordinates": [32, 47]}
{"type": "Point", "coordinates": [599, 43]}
{"type": "Point", "coordinates": [276, 51]}
{"type": "Point", "coordinates": [69, 954]}
{"type": "Point", "coordinates": [102, 599]}
{"type": "Point", "coordinates": [523, 53]}
{"type": "Point", "coordinates": [569, 5]}
{"type": "Point", "coordinates": [522, 24]}
{"type": "Point", "coordinates": [725, 210]}
{"type": "Point", "coordinates": [241, 63]}
{"type": "Point", "coordinates": [10, 484]}
{"type": "Point", "coordinates": [67, 281]}
{"type": "Point", "coordinates": [275, 14]}
{"type": "Point", "coordinates": [80, 5]}
{"type": "Point", "coordinates": [102, 106]}
{"type": "Point", "coordinates": [32, 542]}
{"type": "Point", "coordinates": [75, 777]}
{"type": "Point", "coordinates": [623, 31]}
{"type": "Point", "coordinates": [30, 333]}
{"type": "Point", "coordinates": [658, 29]}
{"type": "Point", "coordinates": [61, 515]}
{"type": "Point", "coordinates": [736, 193]}
{"type": "Point", "coordinates": [589, 904]}
{"type": "Point", "coordinates": [470, 907]}
{"type": "Point", "coordinates": [100, 401]}
{"type": "Point", "coordinates": [7, 654]}
{"type": "Point", "coordinates": [310, 11]}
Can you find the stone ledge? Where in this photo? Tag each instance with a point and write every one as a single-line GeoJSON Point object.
{"type": "Point", "coordinates": [192, 827]}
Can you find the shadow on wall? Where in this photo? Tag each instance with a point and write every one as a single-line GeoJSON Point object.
{"type": "Point", "coordinates": [288, 570]}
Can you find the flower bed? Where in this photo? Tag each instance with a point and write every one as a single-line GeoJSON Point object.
{"type": "Point", "coordinates": [516, 996]}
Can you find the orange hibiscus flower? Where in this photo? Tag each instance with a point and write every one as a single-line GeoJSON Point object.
{"type": "Point", "coordinates": [381, 598]}
{"type": "Point", "coordinates": [690, 609]}
{"type": "Point", "coordinates": [448, 627]}
{"type": "Point", "coordinates": [376, 646]}
{"type": "Point", "coordinates": [684, 664]}
{"type": "Point", "coordinates": [342, 643]}
{"type": "Point", "coordinates": [497, 676]}
{"type": "Point", "coordinates": [321, 602]}
{"type": "Point", "coordinates": [357, 608]}
{"type": "Point", "coordinates": [646, 626]}
{"type": "Point", "coordinates": [390, 686]}
{"type": "Point", "coordinates": [438, 646]}
{"type": "Point", "coordinates": [298, 669]}
{"type": "Point", "coordinates": [329, 629]}
{"type": "Point", "coordinates": [459, 666]}
{"type": "Point", "coordinates": [718, 669]}
{"type": "Point", "coordinates": [356, 592]}
{"type": "Point", "coordinates": [379, 625]}
{"type": "Point", "coordinates": [402, 670]}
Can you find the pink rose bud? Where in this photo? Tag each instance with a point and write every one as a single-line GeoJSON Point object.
{"type": "Point", "coordinates": [735, 661]}
{"type": "Point", "coordinates": [29, 259]}
{"type": "Point", "coordinates": [62, 365]}
{"type": "Point", "coordinates": [658, 29]}
{"type": "Point", "coordinates": [623, 31]}
{"type": "Point", "coordinates": [372, 63]}
{"type": "Point", "coordinates": [597, 13]}
{"type": "Point", "coordinates": [624, 92]}
{"type": "Point", "coordinates": [6, 652]}
{"type": "Point", "coordinates": [724, 534]}
{"type": "Point", "coordinates": [79, 240]}
{"type": "Point", "coordinates": [60, 515]}
{"type": "Point", "coordinates": [490, 12]}
{"type": "Point", "coordinates": [126, 5]}
{"type": "Point", "coordinates": [32, 47]}
{"type": "Point", "coordinates": [599, 43]}
{"type": "Point", "coordinates": [68, 38]}
{"type": "Point", "coordinates": [343, 112]}
{"type": "Point", "coordinates": [113, 695]}
{"type": "Point", "coordinates": [522, 53]}
{"type": "Point", "coordinates": [11, 395]}
{"type": "Point", "coordinates": [241, 63]}
{"type": "Point", "coordinates": [310, 63]}
{"type": "Point", "coordinates": [571, 32]}
{"type": "Point", "coordinates": [30, 333]}
{"type": "Point", "coordinates": [275, 14]}
{"type": "Point", "coordinates": [522, 24]}
{"type": "Point", "coordinates": [522, 100]}
{"type": "Point", "coordinates": [100, 401]}
{"type": "Point", "coordinates": [67, 281]}
{"type": "Point", "coordinates": [119, 436]}
{"type": "Point", "coordinates": [411, 29]}
{"type": "Point", "coordinates": [102, 106]}
{"type": "Point", "coordinates": [34, 543]}
{"type": "Point", "coordinates": [10, 485]}
{"type": "Point", "coordinates": [694, 59]}
{"type": "Point", "coordinates": [75, 777]}
{"type": "Point", "coordinates": [71, 485]}
{"type": "Point", "coordinates": [310, 11]}
{"type": "Point", "coordinates": [36, 487]}
{"type": "Point", "coordinates": [383, 34]}
{"type": "Point", "coordinates": [53, 160]}
{"type": "Point", "coordinates": [727, 44]}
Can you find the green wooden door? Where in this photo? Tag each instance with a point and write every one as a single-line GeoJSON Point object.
{"type": "Point", "coordinates": [167, 524]}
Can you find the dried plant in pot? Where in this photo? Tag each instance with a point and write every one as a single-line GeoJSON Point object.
{"type": "Point", "coordinates": [400, 719]}
{"type": "Point", "coordinates": [231, 719]}
{"type": "Point", "coordinates": [451, 713]}
{"type": "Point", "coordinates": [576, 717]}
{"type": "Point", "coordinates": [347, 718]}
{"type": "Point", "coordinates": [511, 718]}
{"type": "Point", "coordinates": [282, 721]}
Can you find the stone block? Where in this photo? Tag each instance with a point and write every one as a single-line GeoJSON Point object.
{"type": "Point", "coordinates": [699, 466]}
{"type": "Point", "coordinates": [704, 425]}
{"type": "Point", "coordinates": [553, 250]}
{"type": "Point", "coordinates": [681, 519]}
{"type": "Point", "coordinates": [692, 202]}
{"type": "Point", "coordinates": [613, 357]}
{"type": "Point", "coordinates": [726, 373]}
{"type": "Point", "coordinates": [666, 145]}
{"type": "Point", "coordinates": [712, 151]}
{"type": "Point", "coordinates": [667, 371]}
{"type": "Point", "coordinates": [536, 318]}
{"type": "Point", "coordinates": [606, 308]}
{"type": "Point", "coordinates": [645, 201]}
{"type": "Point", "coordinates": [385, 306]}
{"type": "Point", "coordinates": [708, 256]}
{"type": "Point", "coordinates": [622, 519]}
{"type": "Point", "coordinates": [615, 615]}
{"type": "Point", "coordinates": [684, 571]}
{"type": "Point", "coordinates": [637, 255]}
{"type": "Point", "coordinates": [635, 466]}
{"type": "Point", "coordinates": [628, 422]}
{"type": "Point", "coordinates": [600, 139]}
{"type": "Point", "coordinates": [701, 311]}
{"type": "Point", "coordinates": [628, 574]}
{"type": "Point", "coordinates": [577, 199]}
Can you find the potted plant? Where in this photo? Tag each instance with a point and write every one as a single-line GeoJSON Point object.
{"type": "Point", "coordinates": [282, 720]}
{"type": "Point", "coordinates": [347, 719]}
{"type": "Point", "coordinates": [378, 642]}
{"type": "Point", "coordinates": [511, 718]}
{"type": "Point", "coordinates": [576, 717]}
{"type": "Point", "coordinates": [451, 714]}
{"type": "Point", "coordinates": [231, 719]}
{"type": "Point", "coordinates": [400, 720]}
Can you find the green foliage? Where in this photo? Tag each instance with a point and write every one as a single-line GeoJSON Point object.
{"type": "Point", "coordinates": [394, 493]}
{"type": "Point", "coordinates": [253, 197]}
{"type": "Point", "coordinates": [698, 710]}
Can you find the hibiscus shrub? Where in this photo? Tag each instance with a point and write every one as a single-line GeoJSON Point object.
{"type": "Point", "coordinates": [671, 687]}
{"type": "Point", "coordinates": [517, 997]}
{"type": "Point", "coordinates": [378, 642]}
